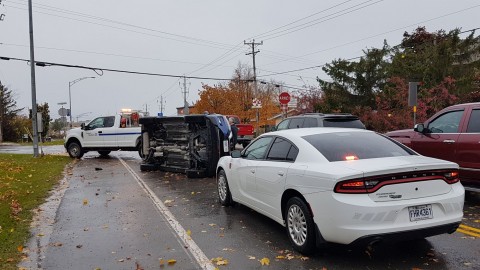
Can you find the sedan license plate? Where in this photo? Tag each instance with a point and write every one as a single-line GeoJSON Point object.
{"type": "Point", "coordinates": [420, 212]}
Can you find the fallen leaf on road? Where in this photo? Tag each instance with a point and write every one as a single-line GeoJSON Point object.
{"type": "Point", "coordinates": [20, 248]}
{"type": "Point", "coordinates": [138, 266]}
{"type": "Point", "coordinates": [304, 258]}
{"type": "Point", "coordinates": [265, 261]}
{"type": "Point", "coordinates": [40, 234]}
{"type": "Point", "coordinates": [467, 264]}
{"type": "Point", "coordinates": [189, 233]}
{"type": "Point", "coordinates": [281, 257]}
{"type": "Point", "coordinates": [171, 262]}
{"type": "Point", "coordinates": [57, 244]}
{"type": "Point", "coordinates": [212, 224]}
{"type": "Point", "coordinates": [85, 201]}
{"type": "Point", "coordinates": [121, 260]}
{"type": "Point", "coordinates": [251, 257]}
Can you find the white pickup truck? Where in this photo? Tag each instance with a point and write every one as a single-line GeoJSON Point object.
{"type": "Point", "coordinates": [105, 134]}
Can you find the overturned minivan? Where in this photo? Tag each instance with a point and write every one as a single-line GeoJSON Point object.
{"type": "Point", "coordinates": [190, 144]}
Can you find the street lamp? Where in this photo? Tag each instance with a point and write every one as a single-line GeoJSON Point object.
{"type": "Point", "coordinates": [70, 94]}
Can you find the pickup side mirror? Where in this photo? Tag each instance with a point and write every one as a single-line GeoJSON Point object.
{"type": "Point", "coordinates": [82, 126]}
{"type": "Point", "coordinates": [419, 128]}
{"type": "Point", "coordinates": [235, 154]}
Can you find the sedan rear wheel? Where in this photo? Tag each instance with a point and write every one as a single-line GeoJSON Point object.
{"type": "Point", "coordinates": [224, 195]}
{"type": "Point", "coordinates": [300, 226]}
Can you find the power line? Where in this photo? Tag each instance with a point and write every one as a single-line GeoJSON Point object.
{"type": "Point", "coordinates": [383, 33]}
{"type": "Point", "coordinates": [106, 54]}
{"type": "Point", "coordinates": [128, 30]}
{"type": "Point", "coordinates": [318, 21]}
{"type": "Point", "coordinates": [79, 14]}
{"type": "Point", "coordinates": [298, 20]}
{"type": "Point", "coordinates": [301, 69]}
{"type": "Point", "coordinates": [100, 71]}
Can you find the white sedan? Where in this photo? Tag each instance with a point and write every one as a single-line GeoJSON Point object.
{"type": "Point", "coordinates": [342, 186]}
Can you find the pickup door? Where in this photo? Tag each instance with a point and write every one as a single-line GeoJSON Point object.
{"type": "Point", "coordinates": [96, 131]}
{"type": "Point", "coordinates": [468, 150]}
{"type": "Point", "coordinates": [441, 136]}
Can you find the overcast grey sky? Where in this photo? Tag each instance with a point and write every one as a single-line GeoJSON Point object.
{"type": "Point", "coordinates": [196, 38]}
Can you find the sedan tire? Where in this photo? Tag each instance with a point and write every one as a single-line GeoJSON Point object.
{"type": "Point", "coordinates": [75, 150]}
{"type": "Point", "coordinates": [300, 226]}
{"type": "Point", "coordinates": [224, 195]}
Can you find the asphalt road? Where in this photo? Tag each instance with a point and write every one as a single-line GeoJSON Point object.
{"type": "Point", "coordinates": [112, 216]}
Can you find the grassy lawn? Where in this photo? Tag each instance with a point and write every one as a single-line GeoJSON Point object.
{"type": "Point", "coordinates": [24, 184]}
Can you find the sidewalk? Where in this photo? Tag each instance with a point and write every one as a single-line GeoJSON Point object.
{"type": "Point", "coordinates": [99, 218]}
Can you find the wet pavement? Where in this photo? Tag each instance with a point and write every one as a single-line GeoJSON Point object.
{"type": "Point", "coordinates": [28, 149]}
{"type": "Point", "coordinates": [110, 217]}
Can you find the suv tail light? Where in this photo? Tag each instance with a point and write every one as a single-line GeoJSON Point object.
{"type": "Point", "coordinates": [372, 184]}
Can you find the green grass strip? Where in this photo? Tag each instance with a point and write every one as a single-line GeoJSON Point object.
{"type": "Point", "coordinates": [25, 183]}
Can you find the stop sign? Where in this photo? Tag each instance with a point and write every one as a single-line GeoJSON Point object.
{"type": "Point", "coordinates": [284, 98]}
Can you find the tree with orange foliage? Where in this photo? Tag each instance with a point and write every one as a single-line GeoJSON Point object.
{"type": "Point", "coordinates": [236, 98]}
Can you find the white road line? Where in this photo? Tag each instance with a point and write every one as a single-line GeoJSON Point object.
{"type": "Point", "coordinates": [181, 234]}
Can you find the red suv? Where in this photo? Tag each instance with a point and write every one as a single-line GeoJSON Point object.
{"type": "Point", "coordinates": [452, 134]}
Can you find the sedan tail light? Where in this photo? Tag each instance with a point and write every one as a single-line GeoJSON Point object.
{"type": "Point", "coordinates": [374, 183]}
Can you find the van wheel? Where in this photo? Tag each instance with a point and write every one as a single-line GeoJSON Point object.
{"type": "Point", "coordinates": [75, 150]}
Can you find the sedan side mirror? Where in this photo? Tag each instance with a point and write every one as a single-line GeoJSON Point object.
{"type": "Point", "coordinates": [419, 128]}
{"type": "Point", "coordinates": [235, 154]}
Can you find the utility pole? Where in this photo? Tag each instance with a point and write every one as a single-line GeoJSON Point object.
{"type": "Point", "coordinates": [185, 93]}
{"type": "Point", "coordinates": [161, 105]}
{"type": "Point", "coordinates": [255, 93]}
{"type": "Point", "coordinates": [34, 91]}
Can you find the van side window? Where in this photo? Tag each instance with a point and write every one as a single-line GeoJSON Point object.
{"type": "Point", "coordinates": [283, 125]}
{"type": "Point", "coordinates": [296, 123]}
{"type": "Point", "coordinates": [310, 122]}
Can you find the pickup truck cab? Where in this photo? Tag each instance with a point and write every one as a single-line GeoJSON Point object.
{"type": "Point", "coordinates": [105, 134]}
{"type": "Point", "coordinates": [451, 134]}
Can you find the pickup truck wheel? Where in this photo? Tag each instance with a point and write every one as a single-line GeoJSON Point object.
{"type": "Point", "coordinates": [75, 150]}
{"type": "Point", "coordinates": [104, 153]}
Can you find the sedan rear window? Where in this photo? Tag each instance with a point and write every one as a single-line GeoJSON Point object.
{"type": "Point", "coordinates": [343, 146]}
